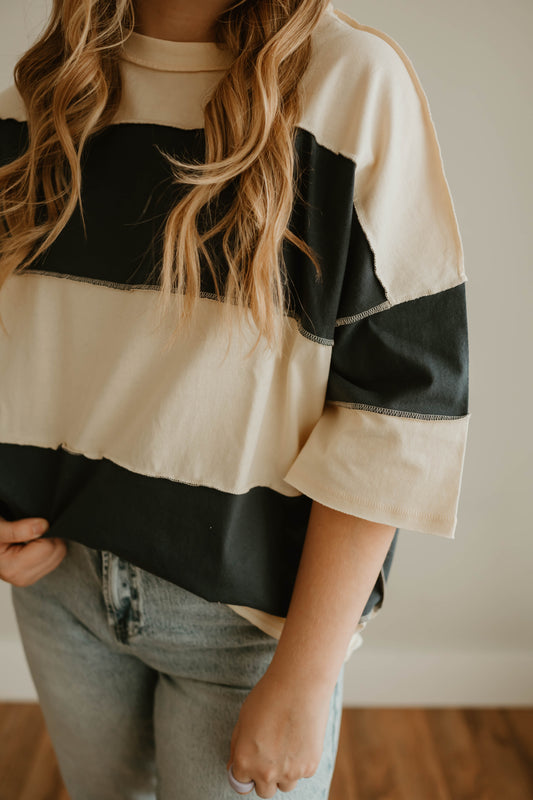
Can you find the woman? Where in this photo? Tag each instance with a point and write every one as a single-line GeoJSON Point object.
{"type": "Point", "coordinates": [217, 531]}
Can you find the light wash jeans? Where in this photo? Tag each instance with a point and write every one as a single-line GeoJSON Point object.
{"type": "Point", "coordinates": [141, 682]}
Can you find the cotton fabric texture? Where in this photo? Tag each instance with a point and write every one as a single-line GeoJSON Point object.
{"type": "Point", "coordinates": [203, 472]}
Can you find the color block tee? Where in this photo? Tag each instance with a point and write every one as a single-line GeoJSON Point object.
{"type": "Point", "coordinates": [202, 470]}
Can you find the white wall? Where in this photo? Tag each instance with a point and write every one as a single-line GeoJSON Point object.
{"type": "Point", "coordinates": [456, 627]}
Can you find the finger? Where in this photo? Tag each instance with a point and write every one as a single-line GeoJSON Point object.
{"type": "Point", "coordinates": [22, 530]}
{"type": "Point", "coordinates": [287, 786]}
{"type": "Point", "coordinates": [265, 790]}
{"type": "Point", "coordinates": [25, 562]}
{"type": "Point", "coordinates": [28, 578]}
{"type": "Point", "coordinates": [244, 793]}
{"type": "Point", "coordinates": [48, 566]}
{"type": "Point", "coordinates": [237, 773]}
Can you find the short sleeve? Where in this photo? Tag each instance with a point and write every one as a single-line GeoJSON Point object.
{"type": "Point", "coordinates": [390, 443]}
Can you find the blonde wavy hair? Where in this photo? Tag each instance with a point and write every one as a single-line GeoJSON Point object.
{"type": "Point", "coordinates": [70, 82]}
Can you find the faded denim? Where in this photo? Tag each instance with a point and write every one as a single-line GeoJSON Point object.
{"type": "Point", "coordinates": [141, 682]}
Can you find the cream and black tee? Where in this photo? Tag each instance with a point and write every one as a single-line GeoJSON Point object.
{"type": "Point", "coordinates": [203, 469]}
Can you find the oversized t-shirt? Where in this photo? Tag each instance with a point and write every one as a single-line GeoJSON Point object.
{"type": "Point", "coordinates": [203, 469]}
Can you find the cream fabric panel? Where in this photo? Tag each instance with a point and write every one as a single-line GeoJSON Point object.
{"type": "Point", "coordinates": [393, 469]}
{"type": "Point", "coordinates": [83, 367]}
{"type": "Point", "coordinates": [384, 125]}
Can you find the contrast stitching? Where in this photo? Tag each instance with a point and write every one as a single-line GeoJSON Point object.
{"type": "Point", "coordinates": [81, 279]}
{"type": "Point", "coordinates": [312, 336]}
{"type": "Point", "coordinates": [394, 412]}
{"type": "Point", "coordinates": [356, 317]}
{"type": "Point", "coordinates": [407, 298]}
{"type": "Point", "coordinates": [155, 288]}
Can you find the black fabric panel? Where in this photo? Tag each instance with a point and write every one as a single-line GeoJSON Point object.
{"type": "Point", "coordinates": [412, 357]}
{"type": "Point", "coordinates": [127, 192]}
{"type": "Point", "coordinates": [241, 549]}
{"type": "Point", "coordinates": [361, 288]}
{"type": "Point", "coordinates": [322, 217]}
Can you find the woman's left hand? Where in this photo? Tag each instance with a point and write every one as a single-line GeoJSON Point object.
{"type": "Point", "coordinates": [279, 735]}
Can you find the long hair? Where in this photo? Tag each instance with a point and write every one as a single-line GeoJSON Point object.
{"type": "Point", "coordinates": [70, 82]}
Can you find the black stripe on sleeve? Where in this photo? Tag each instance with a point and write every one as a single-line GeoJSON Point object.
{"type": "Point", "coordinates": [412, 357]}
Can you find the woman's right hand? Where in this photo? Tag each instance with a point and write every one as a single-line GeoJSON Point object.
{"type": "Point", "coordinates": [24, 558]}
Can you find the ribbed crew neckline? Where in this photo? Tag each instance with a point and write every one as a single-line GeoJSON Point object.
{"type": "Point", "coordinates": [170, 56]}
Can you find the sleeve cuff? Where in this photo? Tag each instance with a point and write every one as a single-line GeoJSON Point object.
{"type": "Point", "coordinates": [393, 469]}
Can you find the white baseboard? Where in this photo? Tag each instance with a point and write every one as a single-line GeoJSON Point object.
{"type": "Point", "coordinates": [376, 677]}
{"type": "Point", "coordinates": [386, 677]}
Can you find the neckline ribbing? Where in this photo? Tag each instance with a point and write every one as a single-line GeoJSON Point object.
{"type": "Point", "coordinates": [170, 56]}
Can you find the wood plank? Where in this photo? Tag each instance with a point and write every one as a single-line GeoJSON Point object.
{"type": "Point", "coordinates": [506, 775]}
{"type": "Point", "coordinates": [372, 761]}
{"type": "Point", "coordinates": [384, 754]}
{"type": "Point", "coordinates": [43, 778]}
{"type": "Point", "coordinates": [417, 770]}
{"type": "Point", "coordinates": [520, 722]}
{"type": "Point", "coordinates": [456, 749]}
{"type": "Point", "coordinates": [21, 729]}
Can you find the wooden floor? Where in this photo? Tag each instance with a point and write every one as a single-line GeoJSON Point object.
{"type": "Point", "coordinates": [384, 754]}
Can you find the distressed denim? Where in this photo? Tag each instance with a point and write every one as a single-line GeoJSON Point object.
{"type": "Point", "coordinates": [141, 682]}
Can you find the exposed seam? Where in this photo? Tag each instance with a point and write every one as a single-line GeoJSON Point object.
{"type": "Point", "coordinates": [312, 336]}
{"type": "Point", "coordinates": [345, 21]}
{"type": "Point", "coordinates": [461, 276]}
{"type": "Point", "coordinates": [135, 469]}
{"type": "Point", "coordinates": [398, 300]}
{"type": "Point", "coordinates": [81, 279]}
{"type": "Point", "coordinates": [431, 290]}
{"type": "Point", "coordinates": [355, 317]}
{"type": "Point", "coordinates": [155, 288]}
{"type": "Point", "coordinates": [394, 411]}
{"type": "Point", "coordinates": [65, 446]}
{"type": "Point", "coordinates": [365, 225]}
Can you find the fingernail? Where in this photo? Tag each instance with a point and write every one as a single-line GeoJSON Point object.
{"type": "Point", "coordinates": [40, 527]}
